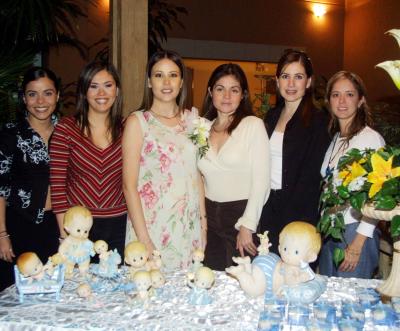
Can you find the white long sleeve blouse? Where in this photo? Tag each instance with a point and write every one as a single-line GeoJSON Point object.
{"type": "Point", "coordinates": [366, 138]}
{"type": "Point", "coordinates": [240, 170]}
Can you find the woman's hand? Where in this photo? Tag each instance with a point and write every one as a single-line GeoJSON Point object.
{"type": "Point", "coordinates": [244, 242]}
{"type": "Point", "coordinates": [203, 238]}
{"type": "Point", "coordinates": [6, 252]}
{"type": "Point", "coordinates": [352, 254]}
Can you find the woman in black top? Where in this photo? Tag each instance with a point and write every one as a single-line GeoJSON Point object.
{"type": "Point", "coordinates": [298, 141]}
{"type": "Point", "coordinates": [26, 220]}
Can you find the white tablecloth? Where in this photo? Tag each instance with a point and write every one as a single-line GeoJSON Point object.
{"type": "Point", "coordinates": [230, 310]}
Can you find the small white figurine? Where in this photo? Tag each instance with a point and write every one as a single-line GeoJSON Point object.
{"type": "Point", "coordinates": [142, 280]}
{"type": "Point", "coordinates": [84, 291]}
{"type": "Point", "coordinates": [197, 261]}
{"type": "Point", "coordinates": [108, 260]}
{"type": "Point", "coordinates": [157, 281]}
{"type": "Point", "coordinates": [289, 276]}
{"type": "Point", "coordinates": [203, 281]}
{"type": "Point", "coordinates": [263, 248]}
{"type": "Point", "coordinates": [155, 262]}
{"type": "Point", "coordinates": [76, 248]}
{"type": "Point", "coordinates": [136, 256]}
{"type": "Point", "coordinates": [30, 266]}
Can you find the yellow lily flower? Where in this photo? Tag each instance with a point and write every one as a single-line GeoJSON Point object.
{"type": "Point", "coordinates": [393, 69]}
{"type": "Point", "coordinates": [352, 172]}
{"type": "Point", "coordinates": [394, 33]}
{"type": "Point", "coordinates": [381, 172]}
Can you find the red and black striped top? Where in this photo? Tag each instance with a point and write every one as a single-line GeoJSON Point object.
{"type": "Point", "coordinates": [84, 174]}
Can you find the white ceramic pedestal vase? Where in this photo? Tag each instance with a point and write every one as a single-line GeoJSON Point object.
{"type": "Point", "coordinates": [391, 286]}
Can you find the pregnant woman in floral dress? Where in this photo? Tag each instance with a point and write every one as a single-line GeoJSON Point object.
{"type": "Point", "coordinates": [162, 186]}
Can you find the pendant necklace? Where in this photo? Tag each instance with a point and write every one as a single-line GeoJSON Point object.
{"type": "Point", "coordinates": [163, 116]}
{"type": "Point", "coordinates": [332, 156]}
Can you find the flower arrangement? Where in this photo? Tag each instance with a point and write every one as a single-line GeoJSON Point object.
{"type": "Point", "coordinates": [198, 129]}
{"type": "Point", "coordinates": [362, 177]}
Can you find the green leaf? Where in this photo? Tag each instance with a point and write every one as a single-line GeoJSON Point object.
{"type": "Point", "coordinates": [358, 200]}
{"type": "Point", "coordinates": [343, 192]}
{"type": "Point", "coordinates": [336, 233]}
{"type": "Point", "coordinates": [390, 187]}
{"type": "Point", "coordinates": [385, 203]}
{"type": "Point", "coordinates": [395, 226]}
{"type": "Point", "coordinates": [338, 256]}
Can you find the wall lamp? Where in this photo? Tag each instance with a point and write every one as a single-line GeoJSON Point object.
{"type": "Point", "coordinates": [319, 9]}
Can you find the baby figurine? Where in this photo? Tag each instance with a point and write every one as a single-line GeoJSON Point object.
{"type": "Point", "coordinates": [263, 248]}
{"type": "Point", "coordinates": [142, 280]}
{"type": "Point", "coordinates": [157, 281]}
{"type": "Point", "coordinates": [203, 280]}
{"type": "Point", "coordinates": [289, 276]}
{"type": "Point", "coordinates": [30, 266]}
{"type": "Point", "coordinates": [108, 260]}
{"type": "Point", "coordinates": [136, 256]}
{"type": "Point", "coordinates": [197, 262]}
{"type": "Point", "coordinates": [84, 291]}
{"type": "Point", "coordinates": [76, 248]}
{"type": "Point", "coordinates": [155, 262]}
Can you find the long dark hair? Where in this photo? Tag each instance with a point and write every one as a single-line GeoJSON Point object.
{"type": "Point", "coordinates": [291, 56]}
{"type": "Point", "coordinates": [147, 101]}
{"type": "Point", "coordinates": [244, 109]}
{"type": "Point", "coordinates": [82, 105]}
{"type": "Point", "coordinates": [363, 115]}
{"type": "Point", "coordinates": [31, 75]}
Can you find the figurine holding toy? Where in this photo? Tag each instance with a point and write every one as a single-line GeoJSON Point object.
{"type": "Point", "coordinates": [76, 248]}
{"type": "Point", "coordinates": [288, 276]}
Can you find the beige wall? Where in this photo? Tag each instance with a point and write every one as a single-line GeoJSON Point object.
{"type": "Point", "coordinates": [366, 45]}
{"type": "Point", "coordinates": [284, 22]}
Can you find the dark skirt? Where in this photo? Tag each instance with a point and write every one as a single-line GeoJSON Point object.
{"type": "Point", "coordinates": [112, 230]}
{"type": "Point", "coordinates": [221, 233]}
{"type": "Point", "coordinates": [28, 236]}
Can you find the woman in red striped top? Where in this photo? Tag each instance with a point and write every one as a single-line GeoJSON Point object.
{"type": "Point", "coordinates": [86, 157]}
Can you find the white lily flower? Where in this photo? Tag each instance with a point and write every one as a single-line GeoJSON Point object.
{"type": "Point", "coordinates": [395, 33]}
{"type": "Point", "coordinates": [393, 69]}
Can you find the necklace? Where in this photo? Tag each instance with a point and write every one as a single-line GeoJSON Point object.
{"type": "Point", "coordinates": [163, 116]}
{"type": "Point", "coordinates": [332, 156]}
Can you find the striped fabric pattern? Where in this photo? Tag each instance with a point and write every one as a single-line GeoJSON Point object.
{"type": "Point", "coordinates": [84, 174]}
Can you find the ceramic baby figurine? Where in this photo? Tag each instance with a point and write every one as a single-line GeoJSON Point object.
{"type": "Point", "coordinates": [142, 280]}
{"type": "Point", "coordinates": [197, 261]}
{"type": "Point", "coordinates": [84, 291]}
{"type": "Point", "coordinates": [136, 256]}
{"type": "Point", "coordinates": [30, 266]}
{"type": "Point", "coordinates": [76, 248]}
{"type": "Point", "coordinates": [108, 260]}
{"type": "Point", "coordinates": [263, 248]}
{"type": "Point", "coordinates": [157, 281]}
{"type": "Point", "coordinates": [290, 276]}
{"type": "Point", "coordinates": [203, 280]}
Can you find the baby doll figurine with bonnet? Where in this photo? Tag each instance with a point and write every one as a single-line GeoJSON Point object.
{"type": "Point", "coordinates": [76, 248]}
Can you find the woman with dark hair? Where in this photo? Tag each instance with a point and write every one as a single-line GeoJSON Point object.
{"type": "Point", "coordinates": [86, 156]}
{"type": "Point", "coordinates": [298, 139]}
{"type": "Point", "coordinates": [27, 222]}
{"type": "Point", "coordinates": [235, 169]}
{"type": "Point", "coordinates": [350, 126]}
{"type": "Point", "coordinates": [162, 186]}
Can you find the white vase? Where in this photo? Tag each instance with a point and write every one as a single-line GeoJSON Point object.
{"type": "Point", "coordinates": [391, 286]}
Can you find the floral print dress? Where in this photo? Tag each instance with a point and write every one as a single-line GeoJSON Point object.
{"type": "Point", "coordinates": [168, 189]}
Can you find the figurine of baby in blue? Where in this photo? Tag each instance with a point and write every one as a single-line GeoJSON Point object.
{"type": "Point", "coordinates": [108, 260]}
{"type": "Point", "coordinates": [76, 248]}
{"type": "Point", "coordinates": [203, 280]}
{"type": "Point", "coordinates": [290, 276]}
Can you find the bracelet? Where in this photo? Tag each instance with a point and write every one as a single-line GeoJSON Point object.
{"type": "Point", "coordinates": [4, 236]}
{"type": "Point", "coordinates": [3, 231]}
{"type": "Point", "coordinates": [203, 217]}
{"type": "Point", "coordinates": [352, 252]}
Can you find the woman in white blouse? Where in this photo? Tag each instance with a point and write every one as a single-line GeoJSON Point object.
{"type": "Point", "coordinates": [350, 125]}
{"type": "Point", "coordinates": [235, 170]}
